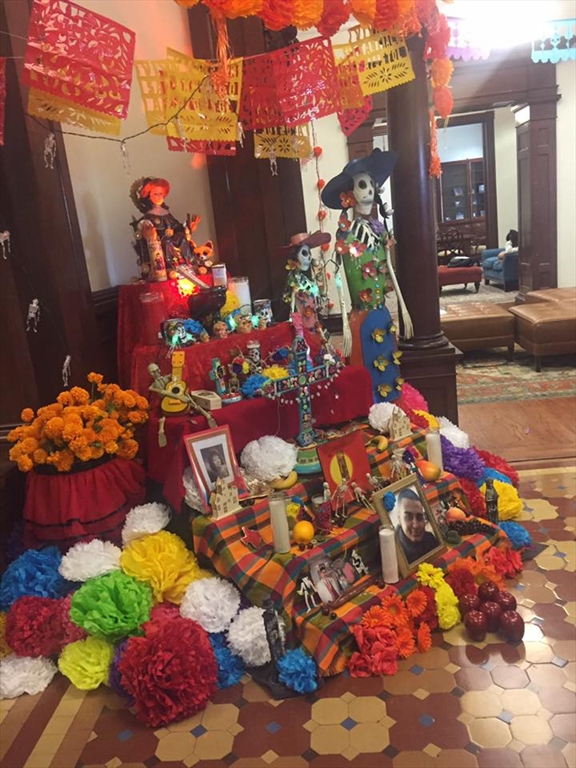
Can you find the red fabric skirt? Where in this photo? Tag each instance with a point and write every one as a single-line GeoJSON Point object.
{"type": "Point", "coordinates": [68, 507]}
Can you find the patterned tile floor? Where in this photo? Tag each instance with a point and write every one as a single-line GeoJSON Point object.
{"type": "Point", "coordinates": [461, 705]}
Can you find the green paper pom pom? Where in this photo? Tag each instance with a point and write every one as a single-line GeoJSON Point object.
{"type": "Point", "coordinates": [112, 606]}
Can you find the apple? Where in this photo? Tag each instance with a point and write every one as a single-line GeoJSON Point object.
{"type": "Point", "coordinates": [487, 591]}
{"type": "Point", "coordinates": [492, 611]}
{"type": "Point", "coordinates": [475, 623]}
{"type": "Point", "coordinates": [506, 600]}
{"type": "Point", "coordinates": [468, 603]}
{"type": "Point", "coordinates": [512, 626]}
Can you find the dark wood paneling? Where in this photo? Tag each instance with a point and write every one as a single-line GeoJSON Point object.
{"type": "Point", "coordinates": [106, 309]}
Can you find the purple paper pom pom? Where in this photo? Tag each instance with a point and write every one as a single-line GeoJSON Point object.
{"type": "Point", "coordinates": [462, 462]}
{"type": "Point", "coordinates": [115, 676]}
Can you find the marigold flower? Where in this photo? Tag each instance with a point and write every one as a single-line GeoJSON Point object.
{"type": "Point", "coordinates": [27, 415]}
{"type": "Point", "coordinates": [142, 403]}
{"type": "Point", "coordinates": [54, 427]}
{"type": "Point", "coordinates": [25, 464]}
{"type": "Point", "coordinates": [128, 449]}
{"type": "Point", "coordinates": [64, 398]}
{"type": "Point", "coordinates": [95, 378]}
{"type": "Point", "coordinates": [441, 71]}
{"type": "Point", "coordinates": [40, 456]}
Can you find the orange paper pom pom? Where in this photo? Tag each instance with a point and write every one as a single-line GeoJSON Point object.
{"type": "Point", "coordinates": [364, 10]}
{"type": "Point", "coordinates": [443, 101]}
{"type": "Point", "coordinates": [441, 72]}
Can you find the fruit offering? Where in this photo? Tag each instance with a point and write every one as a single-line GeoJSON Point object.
{"type": "Point", "coordinates": [475, 623]}
{"type": "Point", "coordinates": [512, 626]}
{"type": "Point", "coordinates": [487, 591]}
{"type": "Point", "coordinates": [492, 611]}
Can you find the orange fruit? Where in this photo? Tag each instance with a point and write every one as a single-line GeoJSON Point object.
{"type": "Point", "coordinates": [303, 532]}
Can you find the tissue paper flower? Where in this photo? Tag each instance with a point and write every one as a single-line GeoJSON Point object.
{"type": "Point", "coordinates": [230, 667]}
{"type": "Point", "coordinates": [517, 534]}
{"type": "Point", "coordinates": [447, 607]}
{"type": "Point", "coordinates": [33, 627]}
{"type": "Point", "coordinates": [35, 572]}
{"type": "Point", "coordinates": [70, 631]}
{"type": "Point", "coordinates": [86, 663]}
{"type": "Point", "coordinates": [111, 606]}
{"type": "Point", "coordinates": [115, 676]}
{"type": "Point", "coordinates": [411, 400]}
{"type": "Point", "coordinates": [247, 637]}
{"type": "Point", "coordinates": [500, 465]}
{"type": "Point", "coordinates": [86, 560]}
{"type": "Point", "coordinates": [379, 416]}
{"type": "Point", "coordinates": [298, 671]}
{"type": "Point", "coordinates": [20, 674]}
{"type": "Point", "coordinates": [462, 462]}
{"type": "Point", "coordinates": [213, 603]}
{"type": "Point", "coordinates": [145, 519]}
{"type": "Point", "coordinates": [475, 498]}
{"type": "Point", "coordinates": [457, 436]}
{"type": "Point", "coordinates": [162, 561]}
{"type": "Point", "coordinates": [269, 458]}
{"type": "Point", "coordinates": [171, 672]}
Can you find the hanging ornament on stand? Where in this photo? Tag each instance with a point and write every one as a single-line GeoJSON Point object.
{"type": "Point", "coordinates": [33, 317]}
{"type": "Point", "coordinates": [5, 243]}
{"type": "Point", "coordinates": [49, 151]}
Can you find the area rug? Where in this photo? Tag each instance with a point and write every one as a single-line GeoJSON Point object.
{"type": "Point", "coordinates": [486, 376]}
{"type": "Point", "coordinates": [456, 294]}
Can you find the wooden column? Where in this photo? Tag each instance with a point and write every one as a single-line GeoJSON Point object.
{"type": "Point", "coordinates": [429, 360]}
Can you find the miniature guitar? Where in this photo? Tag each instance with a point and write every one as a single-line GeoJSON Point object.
{"type": "Point", "coordinates": [176, 386]}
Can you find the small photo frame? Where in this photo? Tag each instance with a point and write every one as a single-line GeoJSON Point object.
{"type": "Point", "coordinates": [345, 461]}
{"type": "Point", "coordinates": [418, 538]}
{"type": "Point", "coordinates": [458, 191]}
{"type": "Point", "coordinates": [212, 458]}
{"type": "Point", "coordinates": [332, 578]}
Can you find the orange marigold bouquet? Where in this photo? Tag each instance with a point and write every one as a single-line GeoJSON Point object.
{"type": "Point", "coordinates": [80, 426]}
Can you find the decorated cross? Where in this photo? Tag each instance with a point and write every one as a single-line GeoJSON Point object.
{"type": "Point", "coordinates": [300, 382]}
{"type": "Point", "coordinates": [218, 376]}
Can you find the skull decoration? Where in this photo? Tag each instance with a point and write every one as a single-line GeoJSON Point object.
{"type": "Point", "coordinates": [364, 192]}
{"type": "Point", "coordinates": [304, 258]}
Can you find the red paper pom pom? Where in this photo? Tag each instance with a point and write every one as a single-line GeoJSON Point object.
{"type": "Point", "coordinates": [33, 626]}
{"type": "Point", "coordinates": [317, 151]}
{"type": "Point", "coordinates": [475, 498]}
{"type": "Point", "coordinates": [411, 400]}
{"type": "Point", "coordinates": [321, 184]}
{"type": "Point", "coordinates": [500, 465]}
{"type": "Point", "coordinates": [70, 632]}
{"type": "Point", "coordinates": [334, 14]}
{"type": "Point", "coordinates": [171, 672]}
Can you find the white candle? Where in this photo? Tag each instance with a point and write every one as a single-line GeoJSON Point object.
{"type": "Point", "coordinates": [434, 448]}
{"type": "Point", "coordinates": [279, 523]}
{"type": "Point", "coordinates": [388, 555]}
{"type": "Point", "coordinates": [219, 274]}
{"type": "Point", "coordinates": [241, 287]}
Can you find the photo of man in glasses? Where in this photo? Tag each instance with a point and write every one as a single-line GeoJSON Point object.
{"type": "Point", "coordinates": [415, 539]}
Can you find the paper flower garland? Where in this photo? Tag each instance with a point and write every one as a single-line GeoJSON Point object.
{"type": "Point", "coordinates": [162, 561]}
{"type": "Point", "coordinates": [268, 458]}
{"type": "Point", "coordinates": [86, 560]}
{"type": "Point", "coordinates": [247, 637]}
{"type": "Point", "coordinates": [230, 667]}
{"type": "Point", "coordinates": [111, 606]}
{"type": "Point", "coordinates": [86, 663]}
{"type": "Point", "coordinates": [298, 671]}
{"type": "Point", "coordinates": [145, 519]}
{"type": "Point", "coordinates": [213, 603]}
{"type": "Point", "coordinates": [171, 672]}
{"type": "Point", "coordinates": [379, 416]}
{"type": "Point", "coordinates": [20, 674]}
{"type": "Point", "coordinates": [35, 572]}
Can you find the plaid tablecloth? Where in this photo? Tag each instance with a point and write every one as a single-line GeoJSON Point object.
{"type": "Point", "coordinates": [260, 573]}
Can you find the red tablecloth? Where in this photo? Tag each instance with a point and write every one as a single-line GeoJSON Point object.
{"type": "Point", "coordinates": [348, 397]}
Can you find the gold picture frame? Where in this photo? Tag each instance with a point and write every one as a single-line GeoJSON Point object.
{"type": "Point", "coordinates": [418, 538]}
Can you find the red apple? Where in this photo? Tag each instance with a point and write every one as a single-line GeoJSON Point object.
{"type": "Point", "coordinates": [475, 623]}
{"type": "Point", "coordinates": [506, 600]}
{"type": "Point", "coordinates": [468, 603]}
{"type": "Point", "coordinates": [512, 626]}
{"type": "Point", "coordinates": [487, 591]}
{"type": "Point", "coordinates": [492, 611]}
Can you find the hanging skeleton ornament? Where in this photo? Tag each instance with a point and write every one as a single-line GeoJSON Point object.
{"type": "Point", "coordinates": [49, 151]}
{"type": "Point", "coordinates": [33, 317]}
{"type": "Point", "coordinates": [5, 243]}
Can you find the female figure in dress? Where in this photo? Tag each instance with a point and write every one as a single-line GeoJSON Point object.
{"type": "Point", "coordinates": [302, 290]}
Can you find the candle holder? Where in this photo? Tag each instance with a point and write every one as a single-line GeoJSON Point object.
{"type": "Point", "coordinates": [240, 286]}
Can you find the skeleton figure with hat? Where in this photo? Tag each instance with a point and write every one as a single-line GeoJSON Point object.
{"type": "Point", "coordinates": [302, 290]}
{"type": "Point", "coordinates": [362, 245]}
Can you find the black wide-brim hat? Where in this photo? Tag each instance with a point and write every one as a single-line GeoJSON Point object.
{"type": "Point", "coordinates": [378, 164]}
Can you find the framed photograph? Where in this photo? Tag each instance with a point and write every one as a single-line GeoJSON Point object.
{"type": "Point", "coordinates": [332, 578]}
{"type": "Point", "coordinates": [458, 191]}
{"type": "Point", "coordinates": [212, 458]}
{"type": "Point", "coordinates": [345, 461]}
{"type": "Point", "coordinates": [418, 538]}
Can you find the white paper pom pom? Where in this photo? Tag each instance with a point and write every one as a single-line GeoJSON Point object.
{"type": "Point", "coordinates": [192, 495]}
{"type": "Point", "coordinates": [247, 637]}
{"type": "Point", "coordinates": [213, 603]}
{"type": "Point", "coordinates": [269, 458]}
{"type": "Point", "coordinates": [457, 437]}
{"type": "Point", "coordinates": [23, 674]}
{"type": "Point", "coordinates": [379, 416]}
{"type": "Point", "coordinates": [88, 559]}
{"type": "Point", "coordinates": [145, 519]}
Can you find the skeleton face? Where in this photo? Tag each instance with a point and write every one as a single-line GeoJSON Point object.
{"type": "Point", "coordinates": [304, 257]}
{"type": "Point", "coordinates": [364, 188]}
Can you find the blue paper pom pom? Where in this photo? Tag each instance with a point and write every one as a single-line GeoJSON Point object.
{"type": "Point", "coordinates": [253, 384]}
{"type": "Point", "coordinates": [518, 535]}
{"type": "Point", "coordinates": [298, 671]}
{"type": "Point", "coordinates": [34, 573]}
{"type": "Point", "coordinates": [495, 475]}
{"type": "Point", "coordinates": [230, 667]}
{"type": "Point", "coordinates": [389, 501]}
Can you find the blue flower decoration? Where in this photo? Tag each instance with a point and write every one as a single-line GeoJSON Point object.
{"type": "Point", "coordinates": [253, 385]}
{"type": "Point", "coordinates": [34, 573]}
{"type": "Point", "coordinates": [495, 475]}
{"type": "Point", "coordinates": [230, 667]}
{"type": "Point", "coordinates": [518, 535]}
{"type": "Point", "coordinates": [389, 501]}
{"type": "Point", "coordinates": [298, 671]}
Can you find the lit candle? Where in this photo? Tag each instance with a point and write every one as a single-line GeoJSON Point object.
{"type": "Point", "coordinates": [241, 287]}
{"type": "Point", "coordinates": [388, 555]}
{"type": "Point", "coordinates": [434, 448]}
{"type": "Point", "coordinates": [279, 523]}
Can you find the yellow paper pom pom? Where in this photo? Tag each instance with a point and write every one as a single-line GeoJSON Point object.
{"type": "Point", "coordinates": [86, 663]}
{"type": "Point", "coordinates": [4, 647]}
{"type": "Point", "coordinates": [275, 372]}
{"type": "Point", "coordinates": [230, 304]}
{"type": "Point", "coordinates": [163, 562]}
{"type": "Point", "coordinates": [509, 503]}
{"type": "Point", "coordinates": [433, 422]}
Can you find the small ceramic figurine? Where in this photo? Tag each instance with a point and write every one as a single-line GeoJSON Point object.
{"type": "Point", "coordinates": [302, 290]}
{"type": "Point", "coordinates": [33, 317]}
{"type": "Point", "coordinates": [308, 592]}
{"type": "Point", "coordinates": [220, 329]}
{"type": "Point", "coordinates": [244, 324]}
{"type": "Point", "coordinates": [339, 505]}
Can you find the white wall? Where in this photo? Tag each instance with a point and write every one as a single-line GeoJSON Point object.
{"type": "Point", "coordinates": [566, 174]}
{"type": "Point", "coordinates": [506, 172]}
{"type": "Point", "coordinates": [100, 182]}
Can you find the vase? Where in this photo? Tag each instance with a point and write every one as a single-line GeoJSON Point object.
{"type": "Point", "coordinates": [91, 501]}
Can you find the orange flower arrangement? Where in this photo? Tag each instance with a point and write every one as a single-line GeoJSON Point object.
{"type": "Point", "coordinates": [80, 426]}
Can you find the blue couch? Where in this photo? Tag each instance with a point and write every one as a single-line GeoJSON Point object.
{"type": "Point", "coordinates": [502, 271]}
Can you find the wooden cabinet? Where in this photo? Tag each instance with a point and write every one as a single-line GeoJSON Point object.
{"type": "Point", "coordinates": [462, 199]}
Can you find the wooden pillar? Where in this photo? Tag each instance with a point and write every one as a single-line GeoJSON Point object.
{"type": "Point", "coordinates": [429, 360]}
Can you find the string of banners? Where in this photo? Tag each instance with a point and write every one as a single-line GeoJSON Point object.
{"type": "Point", "coordinates": [78, 67]}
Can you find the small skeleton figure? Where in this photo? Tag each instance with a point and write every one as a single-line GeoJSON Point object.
{"type": "Point", "coordinates": [308, 592]}
{"type": "Point", "coordinates": [49, 150]}
{"type": "Point", "coordinates": [398, 469]}
{"type": "Point", "coordinates": [358, 563]}
{"type": "Point", "coordinates": [375, 482]}
{"type": "Point", "coordinates": [5, 243]}
{"type": "Point", "coordinates": [33, 317]}
{"type": "Point", "coordinates": [233, 383]}
{"type": "Point", "coordinates": [339, 506]}
{"type": "Point", "coordinates": [361, 497]}
{"type": "Point", "coordinates": [66, 370]}
{"type": "Point", "coordinates": [326, 491]}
